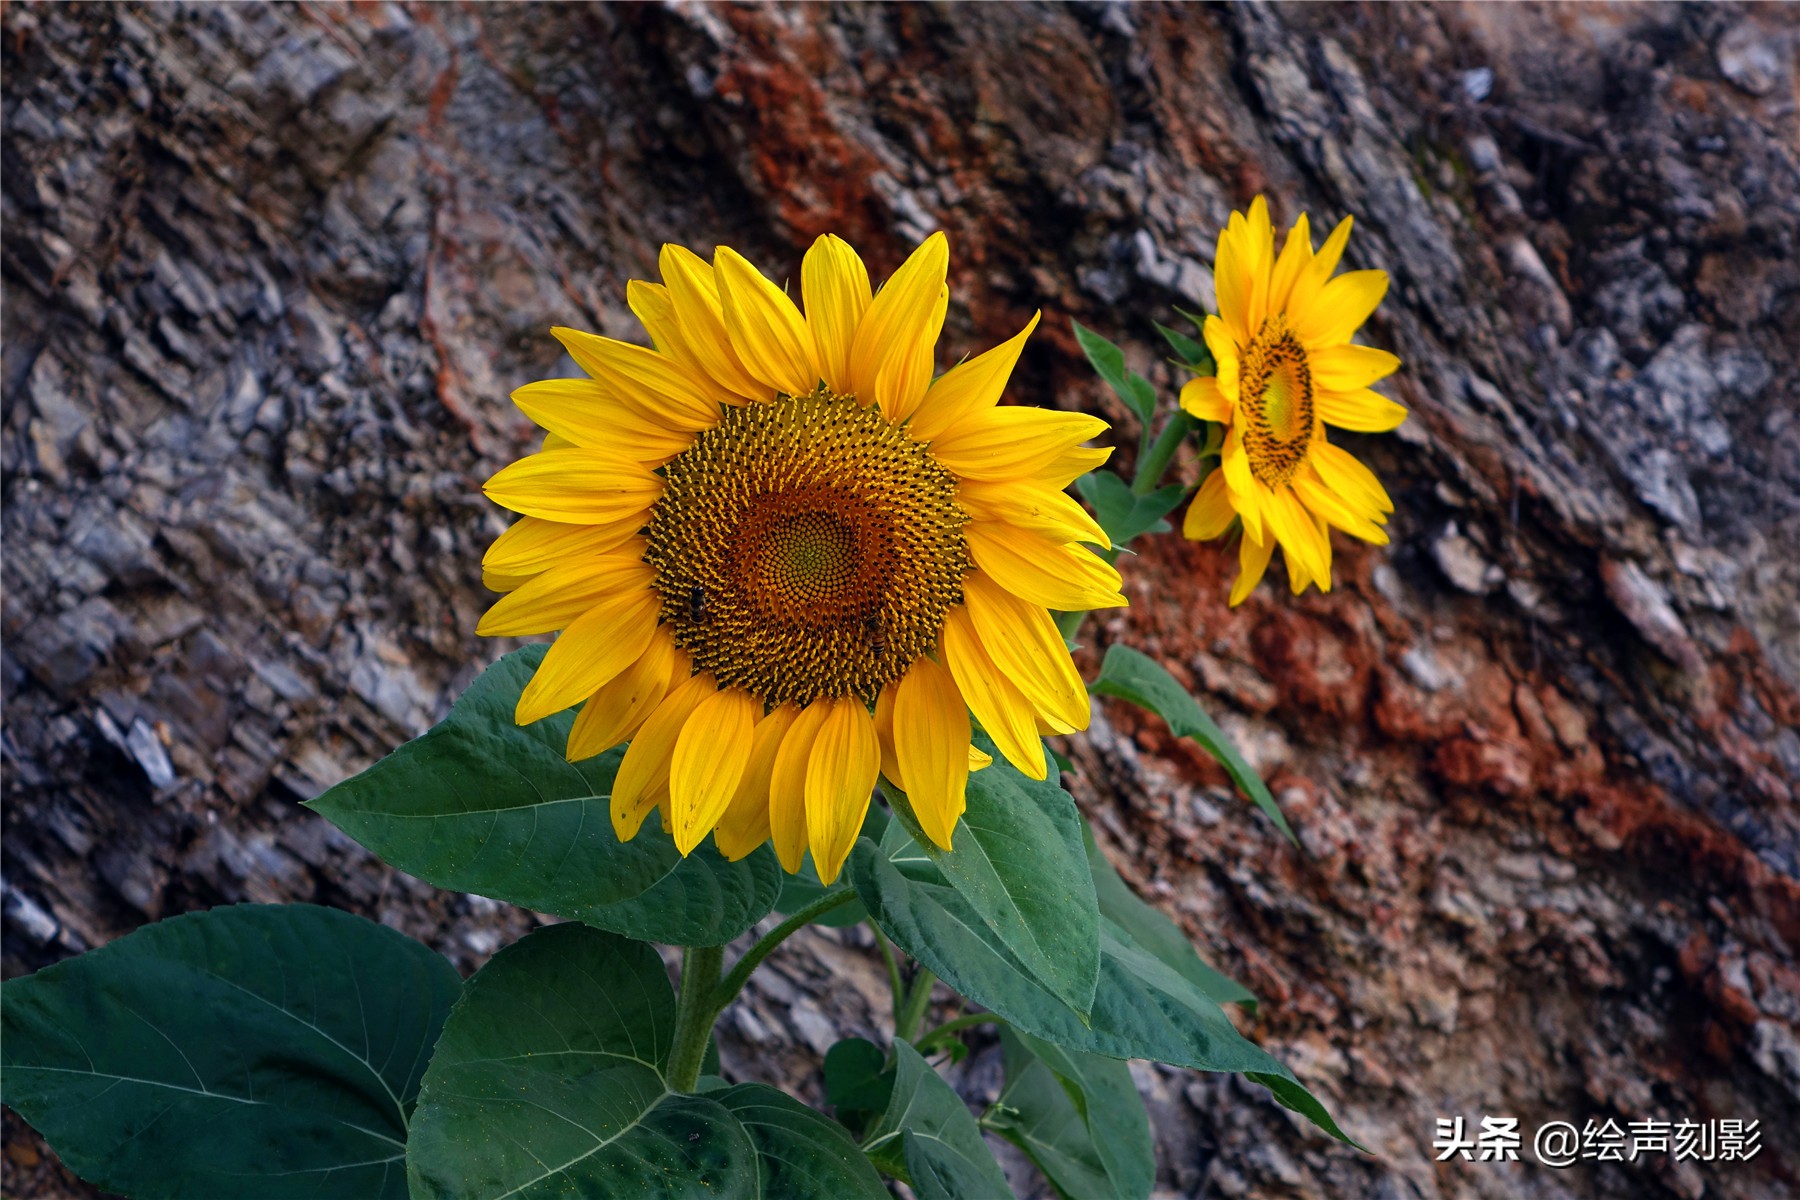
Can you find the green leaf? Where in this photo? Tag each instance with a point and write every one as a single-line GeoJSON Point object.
{"type": "Point", "coordinates": [1077, 1116]}
{"type": "Point", "coordinates": [1129, 675]}
{"type": "Point", "coordinates": [928, 1138]}
{"type": "Point", "coordinates": [1137, 393]}
{"type": "Point", "coordinates": [253, 1050]}
{"type": "Point", "coordinates": [1193, 355]}
{"type": "Point", "coordinates": [800, 1154]}
{"type": "Point", "coordinates": [1143, 1008]}
{"type": "Point", "coordinates": [548, 1082]}
{"type": "Point", "coordinates": [858, 1080]}
{"type": "Point", "coordinates": [1124, 514]}
{"type": "Point", "coordinates": [1018, 860]}
{"type": "Point", "coordinates": [482, 805]}
{"type": "Point", "coordinates": [1156, 933]}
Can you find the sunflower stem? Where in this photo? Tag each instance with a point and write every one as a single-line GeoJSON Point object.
{"type": "Point", "coordinates": [695, 1012]}
{"type": "Point", "coordinates": [1151, 466]}
{"type": "Point", "coordinates": [733, 983]}
{"type": "Point", "coordinates": [918, 999]}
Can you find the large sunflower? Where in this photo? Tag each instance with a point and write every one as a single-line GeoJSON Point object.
{"type": "Point", "coordinates": [1286, 369]}
{"type": "Point", "coordinates": [783, 559]}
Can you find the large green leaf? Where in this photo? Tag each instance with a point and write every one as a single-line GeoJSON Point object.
{"type": "Point", "coordinates": [928, 1137]}
{"type": "Point", "coordinates": [1157, 933]}
{"type": "Point", "coordinates": [1077, 1116]}
{"type": "Point", "coordinates": [548, 1082]}
{"type": "Point", "coordinates": [1122, 512]}
{"type": "Point", "coordinates": [800, 1154]}
{"type": "Point", "coordinates": [254, 1050]}
{"type": "Point", "coordinates": [1130, 675]}
{"type": "Point", "coordinates": [1018, 860]}
{"type": "Point", "coordinates": [482, 805]}
{"type": "Point", "coordinates": [1143, 1008]}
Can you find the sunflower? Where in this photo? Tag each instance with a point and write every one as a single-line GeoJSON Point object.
{"type": "Point", "coordinates": [784, 560]}
{"type": "Point", "coordinates": [1286, 369]}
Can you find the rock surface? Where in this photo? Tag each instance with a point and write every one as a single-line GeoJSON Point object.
{"type": "Point", "coordinates": [270, 273]}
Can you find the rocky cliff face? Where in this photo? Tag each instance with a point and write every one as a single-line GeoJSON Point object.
{"type": "Point", "coordinates": [270, 273]}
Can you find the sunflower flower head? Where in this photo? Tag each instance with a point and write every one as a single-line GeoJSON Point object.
{"type": "Point", "coordinates": [782, 559]}
{"type": "Point", "coordinates": [1286, 369]}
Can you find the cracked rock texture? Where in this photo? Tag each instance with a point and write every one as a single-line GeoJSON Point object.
{"type": "Point", "coordinates": [270, 272]}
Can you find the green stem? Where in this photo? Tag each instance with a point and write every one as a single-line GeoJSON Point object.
{"type": "Point", "coordinates": [896, 985]}
{"type": "Point", "coordinates": [1151, 466]}
{"type": "Point", "coordinates": [943, 1032]}
{"type": "Point", "coordinates": [918, 999]}
{"type": "Point", "coordinates": [733, 983]}
{"type": "Point", "coordinates": [694, 1014]}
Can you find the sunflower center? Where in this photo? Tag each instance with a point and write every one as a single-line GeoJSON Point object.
{"type": "Point", "coordinates": [1276, 390]}
{"type": "Point", "coordinates": [805, 547]}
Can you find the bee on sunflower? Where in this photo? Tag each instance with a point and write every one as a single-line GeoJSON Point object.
{"type": "Point", "coordinates": [1285, 369]}
{"type": "Point", "coordinates": [783, 559]}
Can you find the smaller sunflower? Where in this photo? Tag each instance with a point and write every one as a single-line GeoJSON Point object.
{"type": "Point", "coordinates": [1286, 369]}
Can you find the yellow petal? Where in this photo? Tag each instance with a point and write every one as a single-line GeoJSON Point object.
{"type": "Point", "coordinates": [660, 388]}
{"type": "Point", "coordinates": [643, 777]}
{"type": "Point", "coordinates": [578, 486]}
{"type": "Point", "coordinates": [1348, 367]}
{"type": "Point", "coordinates": [884, 734]}
{"type": "Point", "coordinates": [709, 760]}
{"type": "Point", "coordinates": [1059, 472]}
{"type": "Point", "coordinates": [1346, 476]}
{"type": "Point", "coordinates": [979, 759]}
{"type": "Point", "coordinates": [594, 648]}
{"type": "Point", "coordinates": [532, 544]}
{"type": "Point", "coordinates": [614, 713]}
{"type": "Point", "coordinates": [840, 781]}
{"type": "Point", "coordinates": [1210, 513]}
{"type": "Point", "coordinates": [835, 286]}
{"type": "Point", "coordinates": [556, 441]}
{"type": "Point", "coordinates": [1246, 494]}
{"type": "Point", "coordinates": [767, 331]}
{"type": "Point", "coordinates": [898, 320]}
{"type": "Point", "coordinates": [1023, 642]}
{"type": "Point", "coordinates": [931, 735]}
{"type": "Point", "coordinates": [1324, 502]}
{"type": "Point", "coordinates": [787, 786]}
{"type": "Point", "coordinates": [969, 387]}
{"type": "Point", "coordinates": [901, 383]}
{"type": "Point", "coordinates": [551, 599]}
{"type": "Point", "coordinates": [705, 343]}
{"type": "Point", "coordinates": [1220, 345]}
{"type": "Point", "coordinates": [1001, 708]}
{"type": "Point", "coordinates": [1253, 562]}
{"type": "Point", "coordinates": [499, 581]}
{"type": "Point", "coordinates": [1363, 411]}
{"type": "Point", "coordinates": [1298, 534]}
{"type": "Point", "coordinates": [1064, 577]}
{"type": "Point", "coordinates": [1203, 399]}
{"type": "Point", "coordinates": [1295, 255]}
{"type": "Point", "coordinates": [1341, 308]}
{"type": "Point", "coordinates": [1312, 277]}
{"type": "Point", "coordinates": [581, 411]}
{"type": "Point", "coordinates": [654, 308]}
{"type": "Point", "coordinates": [1012, 441]}
{"type": "Point", "coordinates": [745, 825]}
{"type": "Point", "coordinates": [1054, 514]}
{"type": "Point", "coordinates": [1231, 284]}
{"type": "Point", "coordinates": [1258, 248]}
